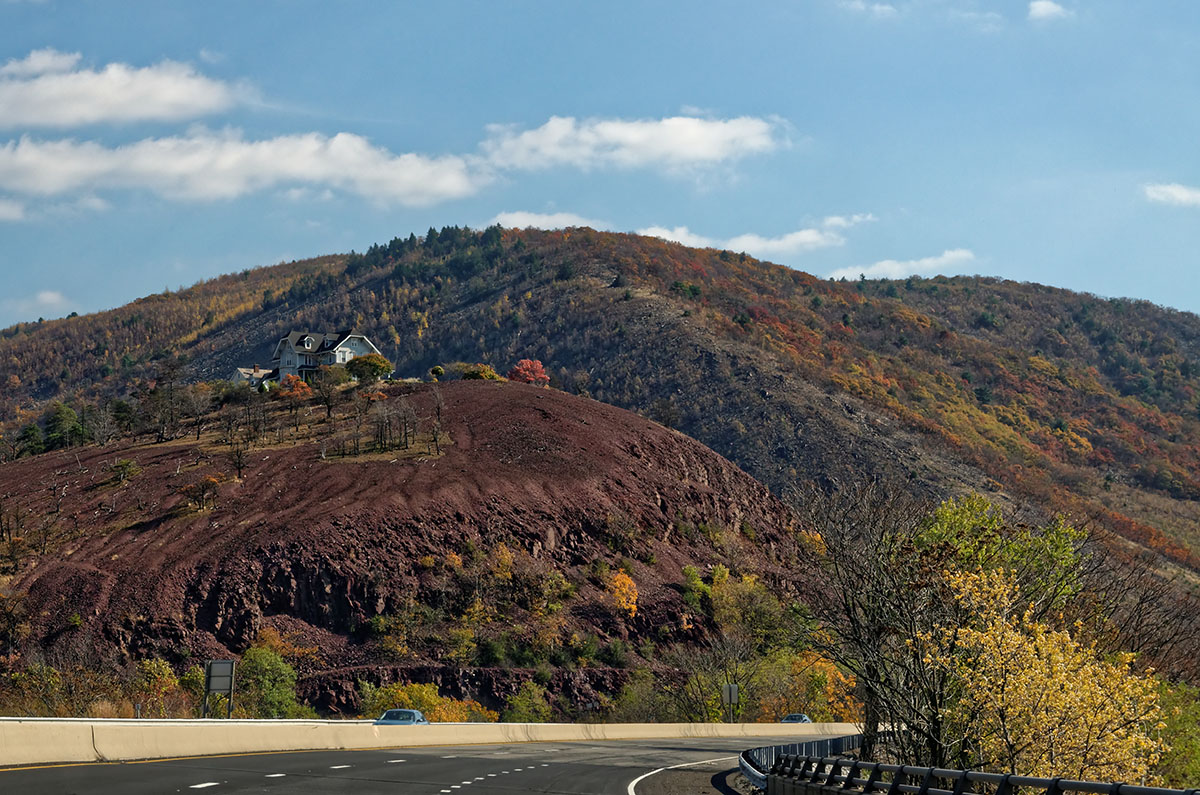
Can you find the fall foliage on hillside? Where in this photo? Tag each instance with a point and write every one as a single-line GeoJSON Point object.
{"type": "Point", "coordinates": [1071, 402]}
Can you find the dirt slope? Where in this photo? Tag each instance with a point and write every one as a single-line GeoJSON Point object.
{"type": "Point", "coordinates": [316, 548]}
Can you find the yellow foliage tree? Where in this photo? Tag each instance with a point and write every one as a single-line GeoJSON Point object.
{"type": "Point", "coordinates": [1039, 703]}
{"type": "Point", "coordinates": [426, 698]}
{"type": "Point", "coordinates": [502, 562]}
{"type": "Point", "coordinates": [624, 593]}
{"type": "Point", "coordinates": [806, 682]}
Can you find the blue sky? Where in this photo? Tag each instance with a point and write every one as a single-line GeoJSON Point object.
{"type": "Point", "coordinates": [150, 145]}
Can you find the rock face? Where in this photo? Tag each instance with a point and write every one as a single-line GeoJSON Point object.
{"type": "Point", "coordinates": [315, 548]}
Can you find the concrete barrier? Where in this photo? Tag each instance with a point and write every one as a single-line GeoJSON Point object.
{"type": "Point", "coordinates": [32, 741]}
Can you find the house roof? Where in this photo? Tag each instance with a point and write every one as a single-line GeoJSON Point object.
{"type": "Point", "coordinates": [322, 341]}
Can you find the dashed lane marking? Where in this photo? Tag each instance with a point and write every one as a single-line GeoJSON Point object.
{"type": "Point", "coordinates": [205, 785]}
{"type": "Point", "coordinates": [394, 761]}
{"type": "Point", "coordinates": [339, 767]}
{"type": "Point", "coordinates": [275, 775]}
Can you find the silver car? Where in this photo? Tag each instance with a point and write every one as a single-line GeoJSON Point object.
{"type": "Point", "coordinates": [401, 717]}
{"type": "Point", "coordinates": [796, 717]}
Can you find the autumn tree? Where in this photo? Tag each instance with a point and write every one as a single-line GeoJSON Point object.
{"type": "Point", "coordinates": [624, 593]}
{"type": "Point", "coordinates": [294, 392]}
{"type": "Point", "coordinates": [1038, 702]}
{"type": "Point", "coordinates": [327, 386]}
{"type": "Point", "coordinates": [156, 689]}
{"type": "Point", "coordinates": [881, 557]}
{"type": "Point", "coordinates": [369, 368]}
{"type": "Point", "coordinates": [204, 491]}
{"type": "Point", "coordinates": [480, 372]}
{"type": "Point", "coordinates": [529, 371]}
{"type": "Point", "coordinates": [424, 697]}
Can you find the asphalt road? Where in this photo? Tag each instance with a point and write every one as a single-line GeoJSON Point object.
{"type": "Point", "coordinates": [582, 768]}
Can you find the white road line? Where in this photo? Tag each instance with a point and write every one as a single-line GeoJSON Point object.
{"type": "Point", "coordinates": [394, 761]}
{"type": "Point", "coordinates": [632, 791]}
{"type": "Point", "coordinates": [452, 756]}
{"type": "Point", "coordinates": [491, 775]}
{"type": "Point", "coordinates": [467, 782]}
{"type": "Point", "coordinates": [479, 778]}
{"type": "Point", "coordinates": [275, 775]}
{"type": "Point", "coordinates": [205, 785]}
{"type": "Point", "coordinates": [339, 767]}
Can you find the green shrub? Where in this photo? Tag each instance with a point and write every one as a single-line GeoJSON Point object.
{"type": "Point", "coordinates": [527, 705]}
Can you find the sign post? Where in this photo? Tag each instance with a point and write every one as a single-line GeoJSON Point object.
{"type": "Point", "coordinates": [729, 698]}
{"type": "Point", "coordinates": [218, 679]}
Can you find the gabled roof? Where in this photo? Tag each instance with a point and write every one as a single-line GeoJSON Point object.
{"type": "Point", "coordinates": [321, 341]}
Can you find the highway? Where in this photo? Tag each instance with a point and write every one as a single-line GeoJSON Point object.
{"type": "Point", "coordinates": [575, 768]}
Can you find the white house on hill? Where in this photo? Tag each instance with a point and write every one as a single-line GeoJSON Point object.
{"type": "Point", "coordinates": [302, 352]}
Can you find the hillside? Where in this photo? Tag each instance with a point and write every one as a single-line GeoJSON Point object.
{"type": "Point", "coordinates": [1043, 397]}
{"type": "Point", "coordinates": [498, 552]}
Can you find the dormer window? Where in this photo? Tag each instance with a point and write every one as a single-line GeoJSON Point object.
{"type": "Point", "coordinates": [307, 343]}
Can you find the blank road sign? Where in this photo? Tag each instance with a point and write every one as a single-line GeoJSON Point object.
{"type": "Point", "coordinates": [220, 676]}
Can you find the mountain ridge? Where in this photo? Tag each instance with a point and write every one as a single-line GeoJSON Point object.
{"type": "Point", "coordinates": [797, 379]}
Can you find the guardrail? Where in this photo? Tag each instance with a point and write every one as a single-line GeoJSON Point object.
{"type": "Point", "coordinates": [823, 775]}
{"type": "Point", "coordinates": [757, 762]}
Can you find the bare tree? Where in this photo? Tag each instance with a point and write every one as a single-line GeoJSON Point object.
{"type": "Point", "coordinates": [197, 402]}
{"type": "Point", "coordinates": [693, 678]}
{"type": "Point", "coordinates": [102, 425]}
{"type": "Point", "coordinates": [326, 385]}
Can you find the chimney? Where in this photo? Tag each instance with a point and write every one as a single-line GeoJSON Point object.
{"type": "Point", "coordinates": [256, 369]}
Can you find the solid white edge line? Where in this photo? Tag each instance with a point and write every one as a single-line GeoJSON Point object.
{"type": "Point", "coordinates": [633, 784]}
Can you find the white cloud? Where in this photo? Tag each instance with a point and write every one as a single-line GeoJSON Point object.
{"type": "Point", "coordinates": [983, 21]}
{"type": "Point", "coordinates": [1173, 193]}
{"type": "Point", "coordinates": [948, 261]}
{"type": "Point", "coordinates": [44, 302]}
{"type": "Point", "coordinates": [874, 10]}
{"type": "Point", "coordinates": [799, 241]}
{"type": "Point", "coordinates": [205, 165]}
{"type": "Point", "coordinates": [39, 62]}
{"type": "Point", "coordinates": [673, 143]}
{"type": "Point", "coordinates": [211, 56]}
{"type": "Point", "coordinates": [11, 210]}
{"type": "Point", "coordinates": [45, 89]}
{"type": "Point", "coordinates": [1046, 10]}
{"type": "Point", "coordinates": [521, 219]}
{"type": "Point", "coordinates": [846, 221]}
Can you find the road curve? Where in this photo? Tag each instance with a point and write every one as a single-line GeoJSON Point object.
{"type": "Point", "coordinates": [575, 768]}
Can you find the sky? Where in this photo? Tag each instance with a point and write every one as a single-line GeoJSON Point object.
{"type": "Point", "coordinates": [146, 146]}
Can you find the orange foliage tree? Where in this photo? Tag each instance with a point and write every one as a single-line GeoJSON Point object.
{"type": "Point", "coordinates": [529, 371]}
